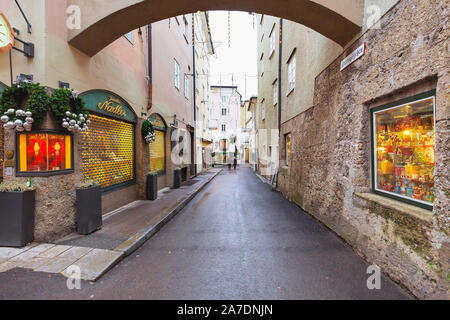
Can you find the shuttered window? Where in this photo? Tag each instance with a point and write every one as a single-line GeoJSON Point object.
{"type": "Point", "coordinates": [107, 152]}
{"type": "Point", "coordinates": [157, 154]}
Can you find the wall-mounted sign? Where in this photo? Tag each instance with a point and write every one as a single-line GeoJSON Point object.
{"type": "Point", "coordinates": [109, 104]}
{"type": "Point", "coordinates": [157, 121]}
{"type": "Point", "coordinates": [6, 34]}
{"type": "Point", "coordinates": [355, 55]}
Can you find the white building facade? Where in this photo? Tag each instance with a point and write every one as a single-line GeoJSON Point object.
{"type": "Point", "coordinates": [225, 123]}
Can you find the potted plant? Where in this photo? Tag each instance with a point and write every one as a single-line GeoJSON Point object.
{"type": "Point", "coordinates": [17, 203]}
{"type": "Point", "coordinates": [89, 206]}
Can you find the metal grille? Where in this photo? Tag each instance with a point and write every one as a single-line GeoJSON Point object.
{"type": "Point", "coordinates": [2, 151]}
{"type": "Point", "coordinates": [107, 151]}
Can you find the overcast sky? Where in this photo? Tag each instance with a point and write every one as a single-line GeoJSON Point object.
{"type": "Point", "coordinates": [233, 62]}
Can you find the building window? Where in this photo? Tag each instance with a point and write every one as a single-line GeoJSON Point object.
{"type": "Point", "coordinates": [186, 29]}
{"type": "Point", "coordinates": [287, 145]}
{"type": "Point", "coordinates": [224, 128]}
{"type": "Point", "coordinates": [275, 92]}
{"type": "Point", "coordinates": [186, 86]}
{"type": "Point", "coordinates": [224, 99]}
{"type": "Point", "coordinates": [44, 153]}
{"type": "Point", "coordinates": [291, 74]}
{"type": "Point", "coordinates": [263, 110]}
{"type": "Point", "coordinates": [272, 41]}
{"type": "Point", "coordinates": [107, 153]}
{"type": "Point", "coordinates": [224, 111]}
{"type": "Point", "coordinates": [129, 36]}
{"type": "Point", "coordinates": [404, 150]}
{"type": "Point", "coordinates": [176, 67]}
{"type": "Point", "coordinates": [262, 64]}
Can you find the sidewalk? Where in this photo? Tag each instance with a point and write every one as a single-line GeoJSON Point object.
{"type": "Point", "coordinates": [124, 230]}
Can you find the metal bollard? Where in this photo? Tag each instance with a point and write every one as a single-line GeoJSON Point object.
{"type": "Point", "coordinates": [176, 178]}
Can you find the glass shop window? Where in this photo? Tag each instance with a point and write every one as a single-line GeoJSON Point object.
{"type": "Point", "coordinates": [404, 151]}
{"type": "Point", "coordinates": [44, 152]}
{"type": "Point", "coordinates": [287, 140]}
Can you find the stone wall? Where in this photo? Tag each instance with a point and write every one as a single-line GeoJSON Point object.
{"type": "Point", "coordinates": [329, 174]}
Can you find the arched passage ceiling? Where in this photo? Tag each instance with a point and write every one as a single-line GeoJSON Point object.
{"type": "Point", "coordinates": [101, 24]}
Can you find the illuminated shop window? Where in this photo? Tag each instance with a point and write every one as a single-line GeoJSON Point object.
{"type": "Point", "coordinates": [404, 151]}
{"type": "Point", "coordinates": [107, 151]}
{"type": "Point", "coordinates": [288, 147]}
{"type": "Point", "coordinates": [44, 152]}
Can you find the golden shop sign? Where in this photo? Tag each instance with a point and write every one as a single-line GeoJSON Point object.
{"type": "Point", "coordinates": [107, 103]}
{"type": "Point", "coordinates": [112, 106]}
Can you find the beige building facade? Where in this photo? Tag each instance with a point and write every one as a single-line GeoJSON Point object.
{"type": "Point", "coordinates": [145, 74]}
{"type": "Point", "coordinates": [203, 51]}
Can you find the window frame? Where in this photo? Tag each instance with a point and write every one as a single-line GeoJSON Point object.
{"type": "Point", "coordinates": [393, 105]}
{"type": "Point", "coordinates": [222, 110]}
{"type": "Point", "coordinates": [44, 173]}
{"type": "Point", "coordinates": [272, 41]}
{"type": "Point", "coordinates": [129, 37]}
{"type": "Point", "coordinates": [176, 76]}
{"type": "Point", "coordinates": [275, 92]}
{"type": "Point", "coordinates": [187, 87]}
{"type": "Point", "coordinates": [292, 72]}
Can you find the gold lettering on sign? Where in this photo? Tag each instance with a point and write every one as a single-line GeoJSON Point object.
{"type": "Point", "coordinates": [112, 106]}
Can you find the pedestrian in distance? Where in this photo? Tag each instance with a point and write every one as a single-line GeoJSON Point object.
{"type": "Point", "coordinates": [234, 163]}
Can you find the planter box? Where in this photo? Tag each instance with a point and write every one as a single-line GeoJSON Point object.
{"type": "Point", "coordinates": [89, 210]}
{"type": "Point", "coordinates": [16, 218]}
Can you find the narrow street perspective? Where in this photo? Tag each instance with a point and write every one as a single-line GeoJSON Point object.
{"type": "Point", "coordinates": [237, 239]}
{"type": "Point", "coordinates": [224, 150]}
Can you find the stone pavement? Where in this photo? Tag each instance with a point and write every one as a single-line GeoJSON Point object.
{"type": "Point", "coordinates": [123, 231]}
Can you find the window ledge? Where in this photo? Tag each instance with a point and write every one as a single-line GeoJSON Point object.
{"type": "Point", "coordinates": [401, 207]}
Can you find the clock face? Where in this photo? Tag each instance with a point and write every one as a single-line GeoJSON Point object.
{"type": "Point", "coordinates": [6, 34]}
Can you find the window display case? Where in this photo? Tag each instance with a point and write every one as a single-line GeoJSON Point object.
{"type": "Point", "coordinates": [404, 150]}
{"type": "Point", "coordinates": [44, 153]}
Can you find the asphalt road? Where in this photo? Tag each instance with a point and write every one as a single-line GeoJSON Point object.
{"type": "Point", "coordinates": [236, 239]}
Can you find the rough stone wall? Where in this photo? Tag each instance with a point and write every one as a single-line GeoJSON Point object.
{"type": "Point", "coordinates": [329, 174]}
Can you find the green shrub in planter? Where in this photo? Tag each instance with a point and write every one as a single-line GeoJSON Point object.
{"type": "Point", "coordinates": [17, 203]}
{"type": "Point", "coordinates": [89, 207]}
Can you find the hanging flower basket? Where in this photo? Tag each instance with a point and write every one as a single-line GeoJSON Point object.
{"type": "Point", "coordinates": [148, 132]}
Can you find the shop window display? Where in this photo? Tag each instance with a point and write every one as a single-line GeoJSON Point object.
{"type": "Point", "coordinates": [404, 151]}
{"type": "Point", "coordinates": [44, 152]}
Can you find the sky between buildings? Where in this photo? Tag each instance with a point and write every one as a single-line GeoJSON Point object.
{"type": "Point", "coordinates": [235, 64]}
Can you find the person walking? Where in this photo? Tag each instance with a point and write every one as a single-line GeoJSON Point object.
{"type": "Point", "coordinates": [234, 163]}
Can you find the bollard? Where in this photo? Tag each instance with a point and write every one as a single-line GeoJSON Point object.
{"type": "Point", "coordinates": [176, 178]}
{"type": "Point", "coordinates": [152, 186]}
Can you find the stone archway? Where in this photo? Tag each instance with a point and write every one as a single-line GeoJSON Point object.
{"type": "Point", "coordinates": [339, 20]}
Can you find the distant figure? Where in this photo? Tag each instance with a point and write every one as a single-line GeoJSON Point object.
{"type": "Point", "coordinates": [229, 165]}
{"type": "Point", "coordinates": [234, 163]}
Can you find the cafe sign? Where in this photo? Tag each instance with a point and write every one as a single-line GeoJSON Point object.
{"type": "Point", "coordinates": [107, 103]}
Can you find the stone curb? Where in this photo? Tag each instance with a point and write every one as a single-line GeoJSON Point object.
{"type": "Point", "coordinates": [136, 241]}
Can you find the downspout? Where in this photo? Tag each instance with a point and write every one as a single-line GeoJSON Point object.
{"type": "Point", "coordinates": [280, 53]}
{"type": "Point", "coordinates": [193, 94]}
{"type": "Point", "coordinates": [150, 67]}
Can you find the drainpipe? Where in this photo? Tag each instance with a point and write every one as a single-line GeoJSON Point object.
{"type": "Point", "coordinates": [150, 67]}
{"type": "Point", "coordinates": [193, 94]}
{"type": "Point", "coordinates": [280, 52]}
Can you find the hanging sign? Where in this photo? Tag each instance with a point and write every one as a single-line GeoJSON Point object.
{"type": "Point", "coordinates": [107, 103]}
{"type": "Point", "coordinates": [6, 34]}
{"type": "Point", "coordinates": [355, 55]}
